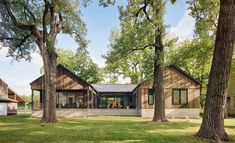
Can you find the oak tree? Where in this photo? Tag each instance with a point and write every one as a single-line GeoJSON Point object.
{"type": "Point", "coordinates": [212, 126]}
{"type": "Point", "coordinates": [28, 24]}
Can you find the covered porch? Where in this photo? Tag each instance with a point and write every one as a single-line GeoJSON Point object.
{"type": "Point", "coordinates": [118, 100]}
{"type": "Point", "coordinates": [71, 91]}
{"type": "Point", "coordinates": [115, 96]}
{"type": "Point", "coordinates": [65, 99]}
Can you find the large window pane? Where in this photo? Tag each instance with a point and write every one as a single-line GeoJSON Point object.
{"type": "Point", "coordinates": [183, 96]}
{"type": "Point", "coordinates": [80, 100]}
{"type": "Point", "coordinates": [102, 102]}
{"type": "Point", "coordinates": [176, 96]}
{"type": "Point", "coordinates": [180, 96]}
{"type": "Point", "coordinates": [62, 99]}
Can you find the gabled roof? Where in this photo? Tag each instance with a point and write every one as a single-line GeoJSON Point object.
{"type": "Point", "coordinates": [114, 87]}
{"type": "Point", "coordinates": [181, 71]}
{"type": "Point", "coordinates": [185, 73]}
{"type": "Point", "coordinates": [60, 66]}
{"type": "Point", "coordinates": [4, 97]}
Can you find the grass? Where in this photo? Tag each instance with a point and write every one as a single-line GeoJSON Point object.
{"type": "Point", "coordinates": [22, 128]}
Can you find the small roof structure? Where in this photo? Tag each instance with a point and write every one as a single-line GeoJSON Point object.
{"type": "Point", "coordinates": [9, 95]}
{"type": "Point", "coordinates": [114, 87]}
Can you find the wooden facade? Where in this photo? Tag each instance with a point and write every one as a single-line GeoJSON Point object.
{"type": "Point", "coordinates": [174, 79]}
{"type": "Point", "coordinates": [74, 91]}
{"type": "Point", "coordinates": [8, 97]}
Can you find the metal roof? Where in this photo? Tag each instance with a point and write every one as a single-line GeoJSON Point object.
{"type": "Point", "coordinates": [114, 87]}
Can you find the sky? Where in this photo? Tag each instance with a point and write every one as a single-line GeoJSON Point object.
{"type": "Point", "coordinates": [99, 22]}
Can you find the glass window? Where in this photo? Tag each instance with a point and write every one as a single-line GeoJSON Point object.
{"type": "Point", "coordinates": [103, 102]}
{"type": "Point", "coordinates": [176, 96]}
{"type": "Point", "coordinates": [150, 96]}
{"type": "Point", "coordinates": [80, 100]}
{"type": "Point", "coordinates": [184, 99]}
{"type": "Point", "coordinates": [180, 96]}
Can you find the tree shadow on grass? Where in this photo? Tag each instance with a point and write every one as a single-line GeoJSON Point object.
{"type": "Point", "coordinates": [101, 129]}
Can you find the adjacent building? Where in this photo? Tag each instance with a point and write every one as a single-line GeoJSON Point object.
{"type": "Point", "coordinates": [8, 100]}
{"type": "Point", "coordinates": [231, 95]}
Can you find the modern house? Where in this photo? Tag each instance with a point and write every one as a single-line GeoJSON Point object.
{"type": "Point", "coordinates": [77, 98]}
{"type": "Point", "coordinates": [8, 100]}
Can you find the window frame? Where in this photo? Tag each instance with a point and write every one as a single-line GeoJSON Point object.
{"type": "Point", "coordinates": [150, 90]}
{"type": "Point", "coordinates": [180, 90]}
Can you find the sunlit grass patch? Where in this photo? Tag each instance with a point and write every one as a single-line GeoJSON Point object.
{"type": "Point", "coordinates": [102, 129]}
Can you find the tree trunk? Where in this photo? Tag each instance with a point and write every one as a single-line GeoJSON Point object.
{"type": "Point", "coordinates": [158, 85]}
{"type": "Point", "coordinates": [49, 108]}
{"type": "Point", "coordinates": [212, 126]}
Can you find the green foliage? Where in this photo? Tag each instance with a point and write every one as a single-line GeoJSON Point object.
{"type": "Point", "coordinates": [132, 45]}
{"type": "Point", "coordinates": [118, 59]}
{"type": "Point", "coordinates": [206, 13]}
{"type": "Point", "coordinates": [106, 3]}
{"type": "Point", "coordinates": [25, 23]}
{"type": "Point", "coordinates": [81, 64]}
{"type": "Point", "coordinates": [194, 56]}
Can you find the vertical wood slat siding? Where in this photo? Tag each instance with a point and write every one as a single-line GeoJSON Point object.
{"type": "Point", "coordinates": [231, 94]}
{"type": "Point", "coordinates": [3, 88]}
{"type": "Point", "coordinates": [63, 82]}
{"type": "Point", "coordinates": [172, 79]}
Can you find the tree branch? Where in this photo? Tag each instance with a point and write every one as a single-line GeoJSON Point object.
{"type": "Point", "coordinates": [141, 49]}
{"type": "Point", "coordinates": [31, 28]}
{"type": "Point", "coordinates": [45, 12]}
{"type": "Point", "coordinates": [23, 40]}
{"type": "Point", "coordinates": [9, 38]}
{"type": "Point", "coordinates": [84, 44]}
{"type": "Point", "coordinates": [143, 8]}
{"type": "Point", "coordinates": [29, 11]}
{"type": "Point", "coordinates": [60, 23]}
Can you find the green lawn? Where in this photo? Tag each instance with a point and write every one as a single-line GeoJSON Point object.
{"type": "Point", "coordinates": [102, 129]}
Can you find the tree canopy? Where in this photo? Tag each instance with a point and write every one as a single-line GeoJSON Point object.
{"type": "Point", "coordinates": [23, 22]}
{"type": "Point", "coordinates": [81, 64]}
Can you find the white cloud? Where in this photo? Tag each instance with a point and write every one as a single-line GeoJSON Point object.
{"type": "Point", "coordinates": [18, 75]}
{"type": "Point", "coordinates": [3, 50]}
{"type": "Point", "coordinates": [185, 28]}
{"type": "Point", "coordinates": [3, 54]}
{"type": "Point", "coordinates": [123, 80]}
{"type": "Point", "coordinates": [37, 60]}
{"type": "Point", "coordinates": [99, 61]}
{"type": "Point", "coordinates": [19, 85]}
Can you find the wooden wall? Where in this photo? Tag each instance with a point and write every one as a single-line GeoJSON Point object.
{"type": "Point", "coordinates": [173, 79]}
{"type": "Point", "coordinates": [64, 81]}
{"type": "Point", "coordinates": [231, 94]}
{"type": "Point", "coordinates": [3, 88]}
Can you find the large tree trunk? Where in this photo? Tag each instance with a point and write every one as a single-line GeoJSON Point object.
{"type": "Point", "coordinates": [49, 108]}
{"type": "Point", "coordinates": [212, 126]}
{"type": "Point", "coordinates": [158, 85]}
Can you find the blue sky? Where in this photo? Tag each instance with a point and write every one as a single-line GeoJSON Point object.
{"type": "Point", "coordinates": [99, 22]}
